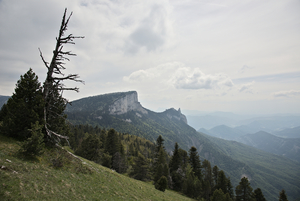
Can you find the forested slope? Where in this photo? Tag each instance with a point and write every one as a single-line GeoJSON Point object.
{"type": "Point", "coordinates": [236, 160]}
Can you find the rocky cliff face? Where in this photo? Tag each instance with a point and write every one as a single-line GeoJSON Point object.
{"type": "Point", "coordinates": [176, 114]}
{"type": "Point", "coordinates": [128, 102]}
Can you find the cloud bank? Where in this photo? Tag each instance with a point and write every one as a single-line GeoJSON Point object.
{"type": "Point", "coordinates": [290, 93]}
{"type": "Point", "coordinates": [179, 76]}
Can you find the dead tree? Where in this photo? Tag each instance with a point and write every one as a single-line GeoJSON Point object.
{"type": "Point", "coordinates": [53, 86]}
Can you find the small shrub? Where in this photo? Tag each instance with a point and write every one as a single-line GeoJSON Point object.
{"type": "Point", "coordinates": [162, 184]}
{"type": "Point", "coordinates": [80, 168]}
{"type": "Point", "coordinates": [57, 162]}
{"type": "Point", "coordinates": [34, 145]}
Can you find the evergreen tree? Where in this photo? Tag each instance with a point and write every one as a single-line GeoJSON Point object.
{"type": "Point", "coordinates": [191, 185]}
{"type": "Point", "coordinates": [177, 179]}
{"type": "Point", "coordinates": [106, 160]}
{"type": "Point", "coordinates": [112, 142]}
{"type": "Point", "coordinates": [230, 188]}
{"type": "Point", "coordinates": [34, 145]}
{"type": "Point", "coordinates": [219, 195]}
{"type": "Point", "coordinates": [176, 159]}
{"type": "Point", "coordinates": [159, 143]}
{"type": "Point", "coordinates": [160, 163]}
{"type": "Point", "coordinates": [243, 191]}
{"type": "Point", "coordinates": [259, 195]}
{"type": "Point", "coordinates": [90, 148]}
{"type": "Point", "coordinates": [184, 158]}
{"type": "Point", "coordinates": [140, 168]}
{"type": "Point", "coordinates": [24, 108]}
{"type": "Point", "coordinates": [207, 179]}
{"type": "Point", "coordinates": [162, 184]}
{"type": "Point", "coordinates": [215, 176]}
{"type": "Point", "coordinates": [222, 181]}
{"type": "Point", "coordinates": [282, 196]}
{"type": "Point", "coordinates": [118, 163]}
{"type": "Point", "coordinates": [195, 162]}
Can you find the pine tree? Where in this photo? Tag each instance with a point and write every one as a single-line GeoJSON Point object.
{"type": "Point", "coordinates": [24, 108]}
{"type": "Point", "coordinates": [159, 143]}
{"type": "Point", "coordinates": [207, 179]}
{"type": "Point", "coordinates": [112, 142]}
{"type": "Point", "coordinates": [160, 163]}
{"type": "Point", "coordinates": [259, 195]}
{"type": "Point", "coordinates": [162, 184]}
{"type": "Point", "coordinates": [230, 188]}
{"type": "Point", "coordinates": [34, 145]}
{"type": "Point", "coordinates": [243, 191]}
{"type": "Point", "coordinates": [90, 148]}
{"type": "Point", "coordinates": [222, 181]}
{"type": "Point", "coordinates": [176, 159]}
{"type": "Point", "coordinates": [118, 163]}
{"type": "Point", "coordinates": [215, 176]}
{"type": "Point", "coordinates": [140, 168]}
{"type": "Point", "coordinates": [219, 195]}
{"type": "Point", "coordinates": [191, 185]}
{"type": "Point", "coordinates": [106, 160]}
{"type": "Point", "coordinates": [282, 196]}
{"type": "Point", "coordinates": [184, 158]}
{"type": "Point", "coordinates": [195, 162]}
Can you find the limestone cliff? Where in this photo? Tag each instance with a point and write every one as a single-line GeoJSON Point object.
{"type": "Point", "coordinates": [126, 103]}
{"type": "Point", "coordinates": [176, 114]}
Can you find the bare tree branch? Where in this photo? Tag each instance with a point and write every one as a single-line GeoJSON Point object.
{"type": "Point", "coordinates": [53, 85]}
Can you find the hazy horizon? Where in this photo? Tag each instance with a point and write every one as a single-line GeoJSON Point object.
{"type": "Point", "coordinates": [233, 56]}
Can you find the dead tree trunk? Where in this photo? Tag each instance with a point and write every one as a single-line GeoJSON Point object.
{"type": "Point", "coordinates": [53, 86]}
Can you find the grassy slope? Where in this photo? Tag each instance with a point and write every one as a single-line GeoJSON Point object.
{"type": "Point", "coordinates": [38, 180]}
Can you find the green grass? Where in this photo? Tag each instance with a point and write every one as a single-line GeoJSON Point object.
{"type": "Point", "coordinates": [37, 179]}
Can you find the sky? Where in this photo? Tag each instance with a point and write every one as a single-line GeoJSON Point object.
{"type": "Point", "coordinates": [204, 55]}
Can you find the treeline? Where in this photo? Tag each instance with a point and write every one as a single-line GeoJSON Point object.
{"type": "Point", "coordinates": [143, 160]}
{"type": "Point", "coordinates": [110, 148]}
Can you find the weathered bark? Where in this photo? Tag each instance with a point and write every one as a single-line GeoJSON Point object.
{"type": "Point", "coordinates": [53, 86]}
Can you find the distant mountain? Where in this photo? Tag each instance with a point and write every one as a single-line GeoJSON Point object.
{"type": "Point", "coordinates": [3, 100]}
{"type": "Point", "coordinates": [289, 132]}
{"type": "Point", "coordinates": [287, 147]}
{"type": "Point", "coordinates": [209, 121]}
{"type": "Point", "coordinates": [272, 123]}
{"type": "Point", "coordinates": [269, 171]}
{"type": "Point", "coordinates": [225, 132]}
{"type": "Point", "coordinates": [123, 112]}
{"type": "Point", "coordinates": [245, 123]}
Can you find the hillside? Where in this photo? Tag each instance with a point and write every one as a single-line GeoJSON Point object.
{"type": "Point", "coordinates": [248, 124]}
{"type": "Point", "coordinates": [224, 132]}
{"type": "Point", "coordinates": [37, 179]}
{"type": "Point", "coordinates": [287, 147]}
{"type": "Point", "coordinates": [123, 112]}
{"type": "Point", "coordinates": [289, 132]}
{"type": "Point", "coordinates": [3, 100]}
{"type": "Point", "coordinates": [270, 171]}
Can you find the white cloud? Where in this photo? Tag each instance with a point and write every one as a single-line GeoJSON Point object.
{"type": "Point", "coordinates": [287, 93]}
{"type": "Point", "coordinates": [179, 76]}
{"type": "Point", "coordinates": [248, 87]}
{"type": "Point", "coordinates": [244, 68]}
{"type": "Point", "coordinates": [188, 78]}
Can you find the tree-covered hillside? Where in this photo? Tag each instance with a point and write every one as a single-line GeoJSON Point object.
{"type": "Point", "coordinates": [173, 128]}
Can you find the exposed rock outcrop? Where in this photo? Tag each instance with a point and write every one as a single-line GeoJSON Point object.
{"type": "Point", "coordinates": [176, 114]}
{"type": "Point", "coordinates": [128, 102]}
